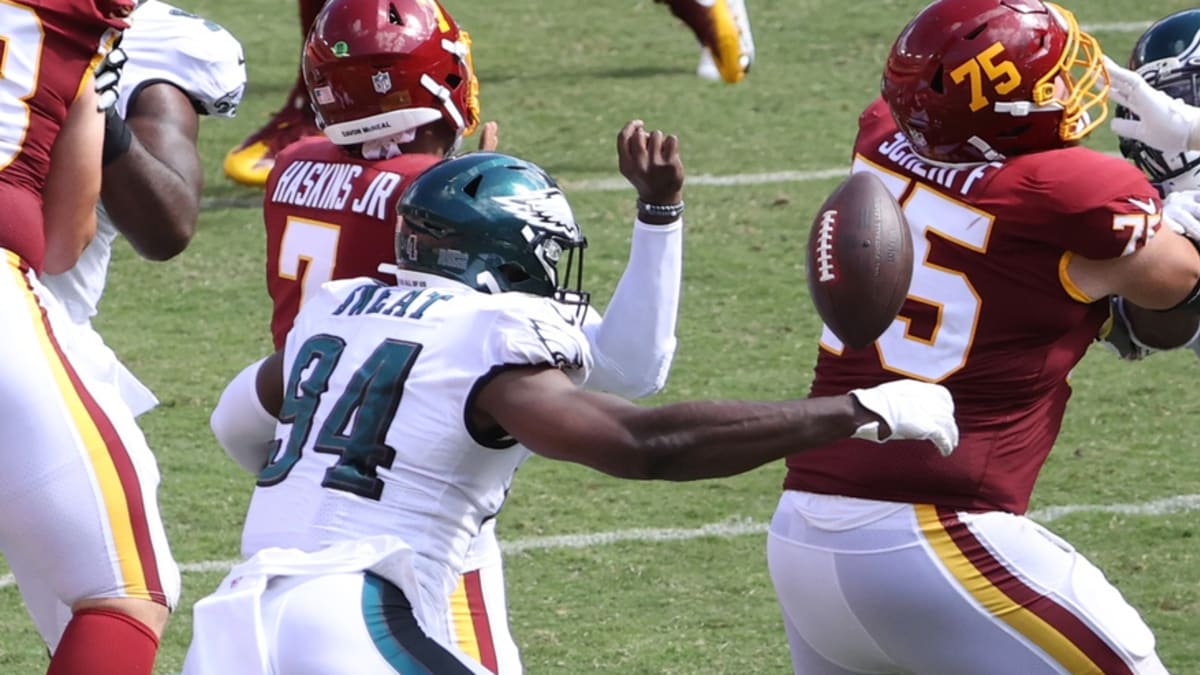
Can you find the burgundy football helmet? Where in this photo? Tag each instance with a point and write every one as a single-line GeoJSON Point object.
{"type": "Point", "coordinates": [980, 80]}
{"type": "Point", "coordinates": [377, 68]}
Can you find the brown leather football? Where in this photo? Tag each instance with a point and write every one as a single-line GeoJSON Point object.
{"type": "Point", "coordinates": [860, 260]}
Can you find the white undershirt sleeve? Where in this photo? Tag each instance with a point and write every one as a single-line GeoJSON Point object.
{"type": "Point", "coordinates": [241, 424]}
{"type": "Point", "coordinates": [634, 343]}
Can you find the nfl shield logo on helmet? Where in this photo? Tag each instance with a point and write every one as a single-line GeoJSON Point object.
{"type": "Point", "coordinates": [382, 82]}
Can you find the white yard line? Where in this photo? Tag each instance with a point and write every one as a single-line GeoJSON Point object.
{"type": "Point", "coordinates": [614, 184]}
{"type": "Point", "coordinates": [740, 526]}
{"type": "Point", "coordinates": [608, 184]}
{"type": "Point", "coordinates": [736, 527]}
{"type": "Point", "coordinates": [1118, 27]}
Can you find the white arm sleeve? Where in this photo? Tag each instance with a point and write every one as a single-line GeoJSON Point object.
{"type": "Point", "coordinates": [241, 424]}
{"type": "Point", "coordinates": [634, 344]}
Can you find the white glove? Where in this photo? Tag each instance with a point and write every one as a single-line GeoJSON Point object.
{"type": "Point", "coordinates": [1165, 123]}
{"type": "Point", "coordinates": [912, 410]}
{"type": "Point", "coordinates": [108, 78]}
{"type": "Point", "coordinates": [1182, 213]}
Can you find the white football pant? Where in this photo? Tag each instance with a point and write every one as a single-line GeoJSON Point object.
{"type": "Point", "coordinates": [479, 607]}
{"type": "Point", "coordinates": [78, 506]}
{"type": "Point", "coordinates": [287, 612]}
{"type": "Point", "coordinates": [881, 587]}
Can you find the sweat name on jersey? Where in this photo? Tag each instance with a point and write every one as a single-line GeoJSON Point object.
{"type": "Point", "coordinates": [899, 150]}
{"type": "Point", "coordinates": [389, 301]}
{"type": "Point", "coordinates": [330, 186]}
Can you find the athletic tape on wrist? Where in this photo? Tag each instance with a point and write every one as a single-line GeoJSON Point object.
{"type": "Point", "coordinates": [117, 136]}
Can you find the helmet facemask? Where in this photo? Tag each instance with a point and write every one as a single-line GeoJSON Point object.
{"type": "Point", "coordinates": [1169, 171]}
{"type": "Point", "coordinates": [568, 274]}
{"type": "Point", "coordinates": [1079, 84]}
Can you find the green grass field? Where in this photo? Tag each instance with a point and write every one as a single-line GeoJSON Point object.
{"type": "Point", "coordinates": [561, 77]}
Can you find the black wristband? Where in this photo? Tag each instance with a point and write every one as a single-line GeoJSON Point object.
{"type": "Point", "coordinates": [673, 211]}
{"type": "Point", "coordinates": [117, 136]}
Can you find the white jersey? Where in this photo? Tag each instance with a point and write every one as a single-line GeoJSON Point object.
{"type": "Point", "coordinates": [391, 370]}
{"type": "Point", "coordinates": [164, 44]}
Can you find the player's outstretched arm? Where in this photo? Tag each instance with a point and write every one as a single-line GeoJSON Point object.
{"type": "Point", "coordinates": [634, 343]}
{"type": "Point", "coordinates": [152, 171]}
{"type": "Point", "coordinates": [547, 413]}
{"type": "Point", "coordinates": [73, 185]}
{"type": "Point", "coordinates": [1163, 274]}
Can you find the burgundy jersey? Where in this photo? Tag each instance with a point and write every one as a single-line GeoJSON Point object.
{"type": "Point", "coordinates": [329, 215]}
{"type": "Point", "coordinates": [991, 314]}
{"type": "Point", "coordinates": [47, 47]}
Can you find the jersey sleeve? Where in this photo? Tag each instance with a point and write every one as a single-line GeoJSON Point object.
{"type": "Point", "coordinates": [1103, 206]}
{"type": "Point", "coordinates": [874, 116]}
{"type": "Point", "coordinates": [634, 344]}
{"type": "Point", "coordinates": [201, 58]}
{"type": "Point", "coordinates": [535, 333]}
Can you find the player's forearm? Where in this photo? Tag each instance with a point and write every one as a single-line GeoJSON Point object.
{"type": "Point", "coordinates": [635, 342]}
{"type": "Point", "coordinates": [72, 186]}
{"type": "Point", "coordinates": [150, 203]}
{"type": "Point", "coordinates": [152, 188]}
{"type": "Point", "coordinates": [710, 439]}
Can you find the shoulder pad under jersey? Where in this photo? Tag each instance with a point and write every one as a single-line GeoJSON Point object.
{"type": "Point", "coordinates": [167, 44]}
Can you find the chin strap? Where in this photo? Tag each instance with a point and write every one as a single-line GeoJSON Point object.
{"type": "Point", "coordinates": [456, 147]}
{"type": "Point", "coordinates": [387, 148]}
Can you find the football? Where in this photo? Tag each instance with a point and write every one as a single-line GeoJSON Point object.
{"type": "Point", "coordinates": [859, 259]}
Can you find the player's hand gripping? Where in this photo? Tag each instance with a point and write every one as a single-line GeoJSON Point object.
{"type": "Point", "coordinates": [1165, 123]}
{"type": "Point", "coordinates": [650, 161]}
{"type": "Point", "coordinates": [1182, 212]}
{"type": "Point", "coordinates": [909, 410]}
{"type": "Point", "coordinates": [108, 77]}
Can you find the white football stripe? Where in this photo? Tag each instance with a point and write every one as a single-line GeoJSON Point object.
{"type": "Point", "coordinates": [738, 526]}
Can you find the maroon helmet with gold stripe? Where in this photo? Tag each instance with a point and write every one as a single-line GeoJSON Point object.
{"type": "Point", "coordinates": [980, 80]}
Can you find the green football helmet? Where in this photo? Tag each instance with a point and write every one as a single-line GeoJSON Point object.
{"type": "Point", "coordinates": [496, 223]}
